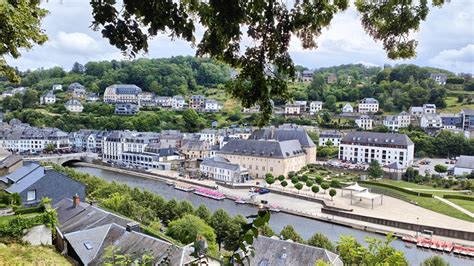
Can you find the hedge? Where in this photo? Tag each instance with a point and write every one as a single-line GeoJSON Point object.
{"type": "Point", "coordinates": [30, 210]}
{"type": "Point", "coordinates": [404, 190]}
{"type": "Point", "coordinates": [461, 197]}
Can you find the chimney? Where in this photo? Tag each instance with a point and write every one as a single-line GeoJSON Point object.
{"type": "Point", "coordinates": [133, 226]}
{"type": "Point", "coordinates": [76, 200]}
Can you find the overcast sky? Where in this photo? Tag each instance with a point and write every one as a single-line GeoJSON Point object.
{"type": "Point", "coordinates": [446, 40]}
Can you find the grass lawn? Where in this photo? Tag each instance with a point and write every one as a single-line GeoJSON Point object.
{"type": "Point", "coordinates": [428, 203]}
{"type": "Point", "coordinates": [452, 106]}
{"type": "Point", "coordinates": [466, 204]}
{"type": "Point", "coordinates": [6, 219]}
{"type": "Point", "coordinates": [16, 254]}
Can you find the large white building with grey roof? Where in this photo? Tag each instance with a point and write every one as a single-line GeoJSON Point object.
{"type": "Point", "coordinates": [122, 93]}
{"type": "Point", "coordinates": [386, 148]}
{"type": "Point", "coordinates": [368, 105]}
{"type": "Point", "coordinates": [220, 169]}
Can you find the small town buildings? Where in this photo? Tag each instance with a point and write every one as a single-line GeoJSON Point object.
{"type": "Point", "coordinates": [211, 105]}
{"type": "Point", "coordinates": [331, 78]}
{"type": "Point", "coordinates": [8, 163]}
{"type": "Point", "coordinates": [307, 76]}
{"type": "Point", "coordinates": [178, 102]}
{"type": "Point", "coordinates": [276, 251]}
{"type": "Point", "coordinates": [87, 140]}
{"type": "Point", "coordinates": [118, 142]}
{"type": "Point", "coordinates": [220, 169]}
{"type": "Point", "coordinates": [467, 119]}
{"type": "Point", "coordinates": [431, 121]}
{"type": "Point", "coordinates": [122, 93]}
{"type": "Point", "coordinates": [251, 110]}
{"type": "Point", "coordinates": [368, 105]}
{"type": "Point", "coordinates": [195, 149]}
{"type": "Point", "coordinates": [86, 232]}
{"type": "Point", "coordinates": [365, 122]}
{"type": "Point", "coordinates": [347, 108]}
{"type": "Point", "coordinates": [76, 90]}
{"type": "Point", "coordinates": [330, 135]}
{"type": "Point", "coordinates": [439, 78]}
{"type": "Point", "coordinates": [146, 99]}
{"type": "Point", "coordinates": [386, 148]}
{"type": "Point", "coordinates": [57, 87]}
{"type": "Point", "coordinates": [126, 109]}
{"type": "Point", "coordinates": [464, 165]}
{"type": "Point", "coordinates": [34, 182]}
{"type": "Point", "coordinates": [429, 108]}
{"type": "Point", "coordinates": [416, 111]}
{"type": "Point", "coordinates": [292, 109]}
{"type": "Point", "coordinates": [163, 101]}
{"type": "Point", "coordinates": [197, 102]}
{"type": "Point", "coordinates": [209, 135]}
{"type": "Point", "coordinates": [395, 122]}
{"type": "Point", "coordinates": [7, 93]}
{"type": "Point", "coordinates": [451, 121]}
{"type": "Point", "coordinates": [74, 106]}
{"type": "Point", "coordinates": [92, 97]}
{"type": "Point", "coordinates": [171, 138]}
{"type": "Point", "coordinates": [48, 98]}
{"type": "Point", "coordinates": [315, 106]}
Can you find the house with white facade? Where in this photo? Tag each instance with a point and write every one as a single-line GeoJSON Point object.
{"type": "Point", "coordinates": [416, 111]}
{"type": "Point", "coordinates": [368, 105]}
{"type": "Point", "coordinates": [429, 108]}
{"type": "Point", "coordinates": [330, 135]}
{"type": "Point", "coordinates": [292, 109]}
{"type": "Point", "coordinates": [439, 78]}
{"type": "Point", "coordinates": [163, 101]}
{"type": "Point", "coordinates": [365, 122]}
{"type": "Point", "coordinates": [126, 109]}
{"type": "Point", "coordinates": [74, 106]}
{"type": "Point", "coordinates": [211, 105]}
{"type": "Point", "coordinates": [315, 106]}
{"type": "Point", "coordinates": [464, 165]}
{"type": "Point", "coordinates": [57, 87]}
{"type": "Point", "coordinates": [117, 143]}
{"type": "Point", "coordinates": [386, 148]}
{"type": "Point", "coordinates": [347, 108]}
{"type": "Point", "coordinates": [92, 97]}
{"type": "Point", "coordinates": [48, 98]}
{"type": "Point", "coordinates": [122, 93]}
{"type": "Point", "coordinates": [178, 102]}
{"type": "Point", "coordinates": [197, 102]}
{"type": "Point", "coordinates": [220, 169]}
{"type": "Point", "coordinates": [146, 99]}
{"type": "Point", "coordinates": [307, 76]}
{"type": "Point", "coordinates": [77, 90]}
{"type": "Point", "coordinates": [395, 122]}
{"type": "Point", "coordinates": [431, 121]}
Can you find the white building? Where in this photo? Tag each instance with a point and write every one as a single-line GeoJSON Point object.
{"type": "Point", "coordinates": [122, 93]}
{"type": "Point", "coordinates": [368, 105]}
{"type": "Point", "coordinates": [315, 106]}
{"type": "Point", "coordinates": [439, 78]}
{"type": "Point", "coordinates": [220, 169]}
{"type": "Point", "coordinates": [48, 98]}
{"type": "Point", "coordinates": [209, 135]}
{"type": "Point", "coordinates": [365, 122]}
{"type": "Point", "coordinates": [119, 142]}
{"type": "Point", "coordinates": [77, 90]}
{"type": "Point", "coordinates": [347, 108]}
{"type": "Point", "coordinates": [211, 105]}
{"type": "Point", "coordinates": [431, 121]}
{"type": "Point", "coordinates": [416, 111]}
{"type": "Point", "coordinates": [292, 109]}
{"type": "Point", "coordinates": [386, 148]}
{"type": "Point", "coordinates": [307, 76]}
{"type": "Point", "coordinates": [57, 87]}
{"type": "Point", "coordinates": [178, 102]}
{"type": "Point", "coordinates": [74, 106]}
{"type": "Point", "coordinates": [334, 136]}
{"type": "Point", "coordinates": [395, 122]}
{"type": "Point", "coordinates": [146, 99]}
{"type": "Point", "coordinates": [92, 97]}
{"type": "Point", "coordinates": [464, 165]}
{"type": "Point", "coordinates": [429, 108]}
{"type": "Point", "coordinates": [163, 101]}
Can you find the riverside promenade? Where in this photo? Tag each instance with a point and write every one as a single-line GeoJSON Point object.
{"type": "Point", "coordinates": [391, 209]}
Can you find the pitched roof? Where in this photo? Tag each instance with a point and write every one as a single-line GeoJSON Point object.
{"type": "Point", "coordinates": [263, 148]}
{"type": "Point", "coordinates": [376, 138]}
{"type": "Point", "coordinates": [222, 163]}
{"type": "Point", "coordinates": [465, 162]}
{"type": "Point", "coordinates": [126, 88]}
{"type": "Point", "coordinates": [277, 252]}
{"type": "Point", "coordinates": [468, 111]}
{"type": "Point", "coordinates": [283, 135]}
{"type": "Point", "coordinates": [23, 171]}
{"type": "Point", "coordinates": [369, 100]}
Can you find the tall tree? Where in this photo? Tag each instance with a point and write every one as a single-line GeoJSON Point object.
{"type": "Point", "coordinates": [187, 228]}
{"type": "Point", "coordinates": [288, 232]}
{"type": "Point", "coordinates": [221, 222]}
{"type": "Point", "coordinates": [321, 241]}
{"type": "Point", "coordinates": [77, 68]}
{"type": "Point", "coordinates": [375, 170]}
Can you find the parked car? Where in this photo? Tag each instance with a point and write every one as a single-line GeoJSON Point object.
{"type": "Point", "coordinates": [262, 191]}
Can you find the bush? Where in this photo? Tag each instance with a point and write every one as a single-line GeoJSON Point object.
{"type": "Point", "coordinates": [39, 208]}
{"type": "Point", "coordinates": [461, 197]}
{"type": "Point", "coordinates": [335, 184]}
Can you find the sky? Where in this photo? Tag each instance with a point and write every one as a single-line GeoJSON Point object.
{"type": "Point", "coordinates": [445, 40]}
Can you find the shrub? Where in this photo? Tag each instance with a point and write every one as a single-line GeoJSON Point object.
{"type": "Point", "coordinates": [461, 197]}
{"type": "Point", "coordinates": [39, 208]}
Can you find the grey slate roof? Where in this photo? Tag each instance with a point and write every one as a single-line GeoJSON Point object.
{"type": "Point", "coordinates": [126, 88]}
{"type": "Point", "coordinates": [277, 252]}
{"type": "Point", "coordinates": [465, 162]}
{"type": "Point", "coordinates": [23, 171]}
{"type": "Point", "coordinates": [369, 100]}
{"type": "Point", "coordinates": [330, 134]}
{"type": "Point", "coordinates": [468, 111]}
{"type": "Point", "coordinates": [222, 163]}
{"type": "Point", "coordinates": [376, 138]}
{"type": "Point", "coordinates": [263, 148]}
{"type": "Point", "coordinates": [283, 135]}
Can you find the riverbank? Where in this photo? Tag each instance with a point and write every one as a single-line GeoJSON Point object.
{"type": "Point", "coordinates": [295, 206]}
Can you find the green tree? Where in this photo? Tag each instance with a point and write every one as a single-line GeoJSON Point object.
{"type": "Point", "coordinates": [439, 168]}
{"type": "Point", "coordinates": [315, 189]}
{"type": "Point", "coordinates": [332, 193]}
{"type": "Point", "coordinates": [15, 104]}
{"type": "Point", "coordinates": [270, 179]}
{"type": "Point", "coordinates": [30, 98]}
{"type": "Point", "coordinates": [329, 143]}
{"type": "Point", "coordinates": [309, 183]}
{"type": "Point", "coordinates": [304, 178]}
{"type": "Point", "coordinates": [281, 178]}
{"type": "Point", "coordinates": [321, 241]}
{"type": "Point", "coordinates": [288, 232]}
{"type": "Point", "coordinates": [434, 261]}
{"type": "Point", "coordinates": [49, 148]}
{"type": "Point", "coordinates": [330, 103]}
{"type": "Point", "coordinates": [221, 222]}
{"type": "Point", "coordinates": [266, 230]}
{"type": "Point", "coordinates": [192, 121]}
{"type": "Point", "coordinates": [185, 207]}
{"type": "Point", "coordinates": [187, 228]}
{"type": "Point", "coordinates": [284, 183]}
{"type": "Point", "coordinates": [319, 180]}
{"type": "Point", "coordinates": [298, 187]}
{"type": "Point", "coordinates": [204, 213]}
{"type": "Point", "coordinates": [294, 180]}
{"type": "Point", "coordinates": [374, 170]}
{"type": "Point", "coordinates": [324, 186]}
{"type": "Point", "coordinates": [77, 68]}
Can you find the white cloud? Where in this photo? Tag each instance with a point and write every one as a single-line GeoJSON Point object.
{"type": "Point", "coordinates": [460, 60]}
{"type": "Point", "coordinates": [75, 42]}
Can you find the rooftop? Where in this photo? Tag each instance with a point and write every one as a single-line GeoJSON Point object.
{"type": "Point", "coordinates": [364, 137]}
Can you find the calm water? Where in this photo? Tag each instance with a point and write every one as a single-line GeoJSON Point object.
{"type": "Point", "coordinates": [304, 226]}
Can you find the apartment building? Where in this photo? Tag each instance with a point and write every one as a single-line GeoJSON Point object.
{"type": "Point", "coordinates": [386, 148]}
{"type": "Point", "coordinates": [77, 90]}
{"type": "Point", "coordinates": [197, 102]}
{"type": "Point", "coordinates": [122, 93]}
{"type": "Point", "coordinates": [431, 121]}
{"type": "Point", "coordinates": [163, 101]}
{"type": "Point", "coordinates": [119, 142]}
{"type": "Point", "coordinates": [74, 106]}
{"type": "Point", "coordinates": [307, 76]}
{"type": "Point", "coordinates": [178, 102]}
{"type": "Point", "coordinates": [365, 122]}
{"type": "Point", "coordinates": [292, 109]}
{"type": "Point", "coordinates": [395, 122]}
{"type": "Point", "coordinates": [330, 135]}
{"type": "Point", "coordinates": [220, 169]}
{"type": "Point", "coordinates": [211, 105]}
{"type": "Point", "coordinates": [315, 106]}
{"type": "Point", "coordinates": [467, 119]}
{"type": "Point", "coordinates": [368, 105]}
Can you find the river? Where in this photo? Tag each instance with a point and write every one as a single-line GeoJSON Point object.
{"type": "Point", "coordinates": [304, 226]}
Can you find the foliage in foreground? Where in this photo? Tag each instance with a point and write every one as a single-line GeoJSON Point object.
{"type": "Point", "coordinates": [17, 254]}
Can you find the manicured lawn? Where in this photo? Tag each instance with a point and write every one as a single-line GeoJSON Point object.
{"type": "Point", "coordinates": [452, 106]}
{"type": "Point", "coordinates": [428, 203]}
{"type": "Point", "coordinates": [16, 254]}
{"type": "Point", "coordinates": [466, 204]}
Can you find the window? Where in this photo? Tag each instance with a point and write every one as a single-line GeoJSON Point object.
{"type": "Point", "coordinates": [31, 195]}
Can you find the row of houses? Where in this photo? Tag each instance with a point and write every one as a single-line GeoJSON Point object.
{"type": "Point", "coordinates": [366, 105]}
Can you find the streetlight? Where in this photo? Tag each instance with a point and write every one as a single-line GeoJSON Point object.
{"type": "Point", "coordinates": [418, 226]}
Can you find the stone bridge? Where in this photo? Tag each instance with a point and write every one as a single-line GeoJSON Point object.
{"type": "Point", "coordinates": [62, 159]}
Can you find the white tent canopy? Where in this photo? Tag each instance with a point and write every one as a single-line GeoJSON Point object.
{"type": "Point", "coordinates": [354, 187]}
{"type": "Point", "coordinates": [370, 196]}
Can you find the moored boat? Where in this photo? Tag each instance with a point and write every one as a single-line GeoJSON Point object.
{"type": "Point", "coordinates": [184, 188]}
{"type": "Point", "coordinates": [209, 193]}
{"type": "Point", "coordinates": [240, 201]}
